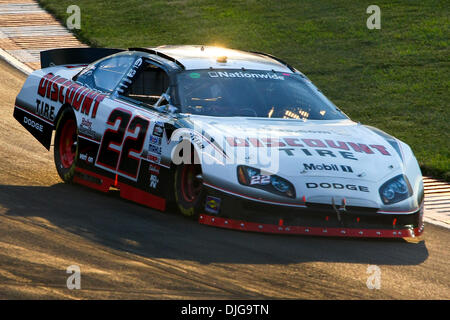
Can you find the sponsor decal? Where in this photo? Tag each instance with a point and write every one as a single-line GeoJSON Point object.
{"type": "Point", "coordinates": [33, 124]}
{"type": "Point", "coordinates": [154, 181]}
{"type": "Point", "coordinates": [154, 158]}
{"type": "Point", "coordinates": [124, 84]}
{"type": "Point", "coordinates": [326, 167]}
{"type": "Point", "coordinates": [65, 91]}
{"type": "Point", "coordinates": [312, 143]}
{"type": "Point", "coordinates": [86, 128]}
{"type": "Point", "coordinates": [45, 110]}
{"type": "Point", "coordinates": [242, 74]}
{"type": "Point", "coordinates": [86, 123]}
{"type": "Point", "coordinates": [155, 140]}
{"type": "Point", "coordinates": [158, 129]}
{"type": "Point", "coordinates": [154, 168]}
{"type": "Point", "coordinates": [320, 152]}
{"type": "Point", "coordinates": [40, 129]}
{"type": "Point", "coordinates": [324, 148]}
{"type": "Point", "coordinates": [154, 149]}
{"type": "Point", "coordinates": [85, 157]}
{"type": "Point", "coordinates": [197, 140]}
{"type": "Point", "coordinates": [212, 205]}
{"type": "Point", "coordinates": [337, 186]}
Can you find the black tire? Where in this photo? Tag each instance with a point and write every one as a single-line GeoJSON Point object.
{"type": "Point", "coordinates": [190, 204]}
{"type": "Point", "coordinates": [66, 137]}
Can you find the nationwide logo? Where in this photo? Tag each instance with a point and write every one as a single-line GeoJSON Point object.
{"type": "Point", "coordinates": [326, 167]}
{"type": "Point", "coordinates": [240, 74]}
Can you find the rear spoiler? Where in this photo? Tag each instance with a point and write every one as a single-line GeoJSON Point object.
{"type": "Point", "coordinates": [57, 57]}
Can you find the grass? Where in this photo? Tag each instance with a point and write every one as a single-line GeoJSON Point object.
{"type": "Point", "coordinates": [395, 78]}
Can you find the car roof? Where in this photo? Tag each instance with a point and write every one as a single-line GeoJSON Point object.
{"type": "Point", "coordinates": [194, 57]}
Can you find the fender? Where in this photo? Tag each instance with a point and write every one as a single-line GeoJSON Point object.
{"type": "Point", "coordinates": [43, 96]}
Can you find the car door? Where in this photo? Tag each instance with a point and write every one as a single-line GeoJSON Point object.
{"type": "Point", "coordinates": [104, 77]}
{"type": "Point", "coordinates": [144, 90]}
{"type": "Point", "coordinates": [129, 130]}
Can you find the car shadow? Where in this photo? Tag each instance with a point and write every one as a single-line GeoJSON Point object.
{"type": "Point", "coordinates": [122, 225]}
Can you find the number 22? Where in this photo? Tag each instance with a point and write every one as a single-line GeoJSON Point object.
{"type": "Point", "coordinates": [115, 151]}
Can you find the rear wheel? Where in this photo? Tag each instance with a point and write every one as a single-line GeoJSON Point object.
{"type": "Point", "coordinates": [189, 190]}
{"type": "Point", "coordinates": [66, 145]}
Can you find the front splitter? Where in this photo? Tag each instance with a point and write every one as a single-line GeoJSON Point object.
{"type": "Point", "coordinates": [305, 230]}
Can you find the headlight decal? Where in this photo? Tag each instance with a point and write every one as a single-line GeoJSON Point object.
{"type": "Point", "coordinates": [395, 190]}
{"type": "Point", "coordinates": [253, 177]}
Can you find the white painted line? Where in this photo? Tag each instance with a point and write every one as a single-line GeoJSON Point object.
{"type": "Point", "coordinates": [20, 8]}
{"type": "Point", "coordinates": [26, 55]}
{"type": "Point", "coordinates": [436, 222]}
{"type": "Point", "coordinates": [34, 31]}
{"type": "Point", "coordinates": [437, 198]}
{"type": "Point", "coordinates": [15, 63]}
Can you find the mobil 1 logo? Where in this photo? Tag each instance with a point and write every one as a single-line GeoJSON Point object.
{"type": "Point", "coordinates": [326, 167]}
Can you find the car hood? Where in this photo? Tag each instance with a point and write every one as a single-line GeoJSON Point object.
{"type": "Point", "coordinates": [299, 149]}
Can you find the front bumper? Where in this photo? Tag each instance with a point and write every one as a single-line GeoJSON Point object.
{"type": "Point", "coordinates": [310, 219]}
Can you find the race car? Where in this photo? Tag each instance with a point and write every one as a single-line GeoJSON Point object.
{"type": "Point", "coordinates": [239, 140]}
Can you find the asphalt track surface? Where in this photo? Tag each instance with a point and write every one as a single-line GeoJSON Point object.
{"type": "Point", "coordinates": [127, 251]}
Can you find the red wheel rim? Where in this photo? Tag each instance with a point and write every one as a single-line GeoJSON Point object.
{"type": "Point", "coordinates": [191, 185]}
{"type": "Point", "coordinates": [67, 143]}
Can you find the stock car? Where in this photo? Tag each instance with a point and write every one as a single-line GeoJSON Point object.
{"type": "Point", "coordinates": [236, 139]}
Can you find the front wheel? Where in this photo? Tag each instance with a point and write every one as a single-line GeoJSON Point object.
{"type": "Point", "coordinates": [189, 190]}
{"type": "Point", "coordinates": [66, 145]}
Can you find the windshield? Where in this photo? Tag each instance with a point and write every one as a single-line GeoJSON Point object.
{"type": "Point", "coordinates": [250, 93]}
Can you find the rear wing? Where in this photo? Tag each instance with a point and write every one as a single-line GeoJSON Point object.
{"type": "Point", "coordinates": [56, 57]}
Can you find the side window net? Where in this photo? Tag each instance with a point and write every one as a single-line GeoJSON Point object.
{"type": "Point", "coordinates": [149, 84]}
